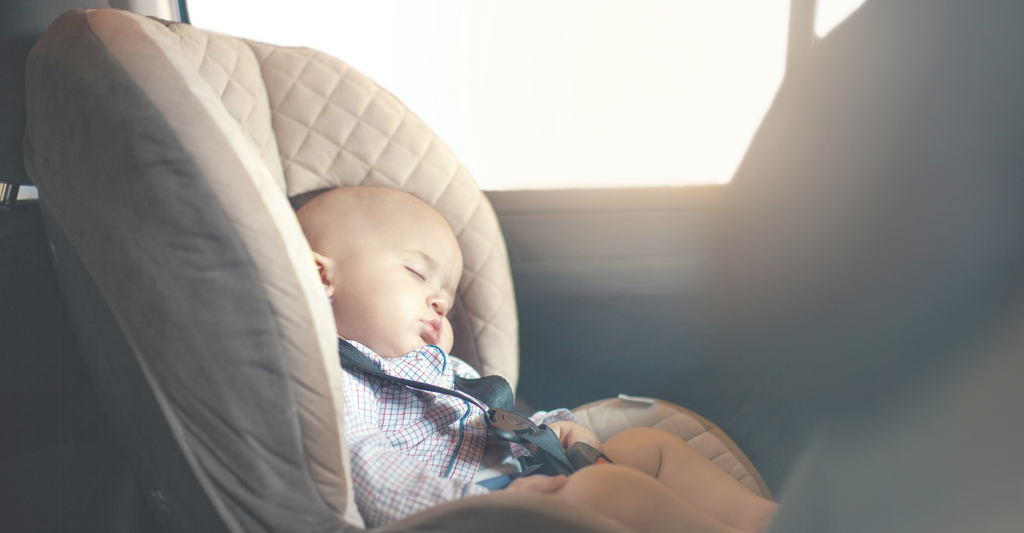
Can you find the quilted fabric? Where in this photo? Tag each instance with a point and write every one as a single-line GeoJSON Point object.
{"type": "Point", "coordinates": [337, 128]}
{"type": "Point", "coordinates": [231, 69]}
{"type": "Point", "coordinates": [608, 417]}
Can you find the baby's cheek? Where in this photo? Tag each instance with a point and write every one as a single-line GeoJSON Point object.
{"type": "Point", "coordinates": [447, 336]}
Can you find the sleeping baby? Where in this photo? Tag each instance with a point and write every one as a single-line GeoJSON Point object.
{"type": "Point", "coordinates": [391, 264]}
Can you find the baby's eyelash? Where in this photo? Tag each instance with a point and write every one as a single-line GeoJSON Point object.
{"type": "Point", "coordinates": [421, 276]}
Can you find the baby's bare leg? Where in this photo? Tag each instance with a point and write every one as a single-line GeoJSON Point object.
{"type": "Point", "coordinates": [635, 501]}
{"type": "Point", "coordinates": [690, 476]}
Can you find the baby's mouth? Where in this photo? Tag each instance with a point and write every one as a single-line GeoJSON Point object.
{"type": "Point", "coordinates": [432, 331]}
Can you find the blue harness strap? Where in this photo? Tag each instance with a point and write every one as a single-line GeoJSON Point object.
{"type": "Point", "coordinates": [500, 482]}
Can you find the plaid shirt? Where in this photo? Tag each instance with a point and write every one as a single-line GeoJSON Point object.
{"type": "Point", "coordinates": [413, 449]}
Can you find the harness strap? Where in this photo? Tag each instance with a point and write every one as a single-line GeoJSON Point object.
{"type": "Point", "coordinates": [351, 357]}
{"type": "Point", "coordinates": [548, 457]}
{"type": "Point", "coordinates": [493, 391]}
{"type": "Point", "coordinates": [547, 452]}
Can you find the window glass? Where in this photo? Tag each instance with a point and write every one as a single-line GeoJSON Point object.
{"type": "Point", "coordinates": [829, 13]}
{"type": "Point", "coordinates": [163, 9]}
{"type": "Point", "coordinates": [553, 93]}
{"type": "Point", "coordinates": [27, 192]}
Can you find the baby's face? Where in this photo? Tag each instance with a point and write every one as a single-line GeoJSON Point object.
{"type": "Point", "coordinates": [395, 285]}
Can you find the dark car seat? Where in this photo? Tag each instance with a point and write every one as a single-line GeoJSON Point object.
{"type": "Point", "coordinates": [871, 264]}
{"type": "Point", "coordinates": [60, 466]}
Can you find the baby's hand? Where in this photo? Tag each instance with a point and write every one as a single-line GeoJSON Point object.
{"type": "Point", "coordinates": [571, 432]}
{"type": "Point", "coordinates": [538, 484]}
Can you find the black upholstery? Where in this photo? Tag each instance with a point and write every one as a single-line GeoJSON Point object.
{"type": "Point", "coordinates": [61, 469]}
{"type": "Point", "coordinates": [59, 466]}
{"type": "Point", "coordinates": [139, 428]}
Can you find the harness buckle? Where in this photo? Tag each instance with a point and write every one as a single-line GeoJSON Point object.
{"type": "Point", "coordinates": [509, 426]}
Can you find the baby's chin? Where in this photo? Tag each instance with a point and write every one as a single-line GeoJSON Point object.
{"type": "Point", "coordinates": [393, 350]}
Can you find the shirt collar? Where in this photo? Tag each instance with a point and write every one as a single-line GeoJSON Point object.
{"type": "Point", "coordinates": [428, 364]}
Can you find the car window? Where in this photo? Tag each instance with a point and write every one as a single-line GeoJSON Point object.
{"type": "Point", "coordinates": [542, 94]}
{"type": "Point", "coordinates": [829, 13]}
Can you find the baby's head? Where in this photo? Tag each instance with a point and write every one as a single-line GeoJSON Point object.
{"type": "Point", "coordinates": [390, 262]}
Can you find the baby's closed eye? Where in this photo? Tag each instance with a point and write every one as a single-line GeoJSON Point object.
{"type": "Point", "coordinates": [416, 273]}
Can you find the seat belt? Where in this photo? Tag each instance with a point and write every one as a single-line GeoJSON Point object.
{"type": "Point", "coordinates": [548, 457]}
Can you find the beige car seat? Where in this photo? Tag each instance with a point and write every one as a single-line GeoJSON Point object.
{"type": "Point", "coordinates": [165, 156]}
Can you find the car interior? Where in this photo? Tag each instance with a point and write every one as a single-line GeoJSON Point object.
{"type": "Point", "coordinates": [838, 327]}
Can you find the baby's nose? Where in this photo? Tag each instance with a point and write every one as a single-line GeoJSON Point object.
{"type": "Point", "coordinates": [440, 306]}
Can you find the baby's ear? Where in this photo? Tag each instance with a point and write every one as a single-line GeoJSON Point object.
{"type": "Point", "coordinates": [325, 267]}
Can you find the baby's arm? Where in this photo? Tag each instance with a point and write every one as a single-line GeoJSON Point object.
{"type": "Point", "coordinates": [388, 484]}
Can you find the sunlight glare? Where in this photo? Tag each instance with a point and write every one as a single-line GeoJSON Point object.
{"type": "Point", "coordinates": [539, 94]}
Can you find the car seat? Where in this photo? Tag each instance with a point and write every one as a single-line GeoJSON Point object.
{"type": "Point", "coordinates": [165, 157]}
